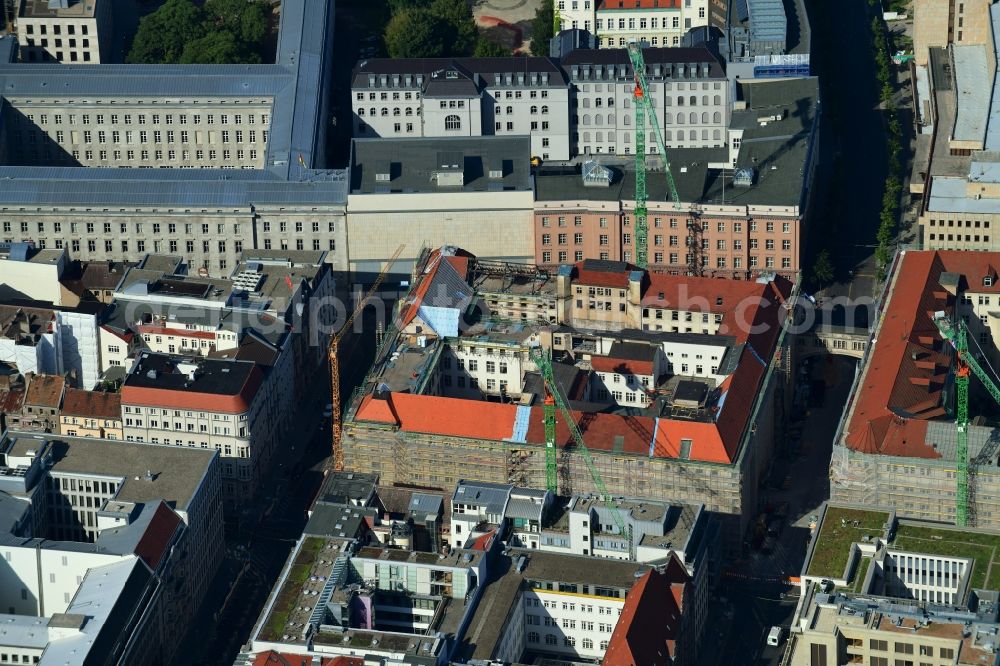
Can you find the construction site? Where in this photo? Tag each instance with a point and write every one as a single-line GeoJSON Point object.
{"type": "Point", "coordinates": [919, 428]}
{"type": "Point", "coordinates": [667, 390]}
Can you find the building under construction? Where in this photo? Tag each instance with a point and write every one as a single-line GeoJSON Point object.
{"type": "Point", "coordinates": [672, 381]}
{"type": "Point", "coordinates": [898, 444]}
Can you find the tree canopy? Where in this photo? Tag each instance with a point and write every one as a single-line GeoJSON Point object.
{"type": "Point", "coordinates": [414, 33]}
{"type": "Point", "coordinates": [542, 28]}
{"type": "Point", "coordinates": [434, 29]}
{"type": "Point", "coordinates": [222, 31]}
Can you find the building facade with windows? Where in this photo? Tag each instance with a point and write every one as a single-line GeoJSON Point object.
{"type": "Point", "coordinates": [653, 22]}
{"type": "Point", "coordinates": [741, 206]}
{"type": "Point", "coordinates": [204, 403]}
{"type": "Point", "coordinates": [255, 132]}
{"type": "Point", "coordinates": [907, 461]}
{"type": "Point", "coordinates": [562, 105]}
{"type": "Point", "coordinates": [91, 414]}
{"type": "Point", "coordinates": [111, 549]}
{"type": "Point", "coordinates": [65, 31]}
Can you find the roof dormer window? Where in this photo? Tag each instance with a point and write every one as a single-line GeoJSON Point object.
{"type": "Point", "coordinates": [988, 281]}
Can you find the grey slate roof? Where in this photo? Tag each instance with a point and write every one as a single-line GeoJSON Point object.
{"type": "Point", "coordinates": [412, 163]}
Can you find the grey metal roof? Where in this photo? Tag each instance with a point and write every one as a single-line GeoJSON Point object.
{"type": "Point", "coordinates": [767, 20]}
{"type": "Point", "coordinates": [993, 127]}
{"type": "Point", "coordinates": [75, 186]}
{"type": "Point", "coordinates": [523, 508]}
{"type": "Point", "coordinates": [298, 83]}
{"type": "Point", "coordinates": [424, 503]}
{"type": "Point", "coordinates": [493, 496]}
{"type": "Point", "coordinates": [972, 83]}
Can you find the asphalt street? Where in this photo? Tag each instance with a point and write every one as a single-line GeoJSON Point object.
{"type": "Point", "coordinates": [260, 540]}
{"type": "Point", "coordinates": [853, 152]}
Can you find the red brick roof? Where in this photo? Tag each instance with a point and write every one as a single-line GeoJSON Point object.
{"type": "Point", "coordinates": [416, 297]}
{"type": "Point", "coordinates": [159, 534]}
{"type": "Point", "coordinates": [902, 383]}
{"type": "Point", "coordinates": [93, 404]}
{"type": "Point", "coordinates": [650, 623]}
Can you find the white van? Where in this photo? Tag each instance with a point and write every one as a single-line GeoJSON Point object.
{"type": "Point", "coordinates": [775, 635]}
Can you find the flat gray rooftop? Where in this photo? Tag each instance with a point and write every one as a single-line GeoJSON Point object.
{"type": "Point", "coordinates": [948, 194]}
{"type": "Point", "coordinates": [580, 569]}
{"type": "Point", "coordinates": [76, 9]}
{"type": "Point", "coordinates": [177, 471]}
{"type": "Point", "coordinates": [993, 126]}
{"type": "Point", "coordinates": [973, 87]}
{"type": "Point", "coordinates": [412, 163]}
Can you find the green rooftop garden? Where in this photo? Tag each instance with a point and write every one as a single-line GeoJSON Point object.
{"type": "Point", "coordinates": [841, 527]}
{"type": "Point", "coordinates": [859, 576]}
{"type": "Point", "coordinates": [984, 549]}
{"type": "Point", "coordinates": [289, 594]}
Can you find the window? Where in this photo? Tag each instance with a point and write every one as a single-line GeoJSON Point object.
{"type": "Point", "coordinates": [452, 122]}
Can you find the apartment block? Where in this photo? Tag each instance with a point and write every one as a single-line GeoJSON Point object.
{"type": "Point", "coordinates": [742, 207]}
{"type": "Point", "coordinates": [91, 414]}
{"type": "Point", "coordinates": [561, 105]}
{"type": "Point", "coordinates": [401, 607]}
{"type": "Point", "coordinates": [65, 31]}
{"type": "Point", "coordinates": [895, 446]}
{"type": "Point", "coordinates": [43, 395]}
{"type": "Point", "coordinates": [448, 352]}
{"type": "Point", "coordinates": [204, 403]}
{"type": "Point", "coordinates": [110, 547]}
{"type": "Point", "coordinates": [616, 23]}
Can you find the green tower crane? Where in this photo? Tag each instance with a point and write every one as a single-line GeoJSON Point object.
{"type": "Point", "coordinates": [644, 108]}
{"type": "Point", "coordinates": [553, 400]}
{"type": "Point", "coordinates": [958, 336]}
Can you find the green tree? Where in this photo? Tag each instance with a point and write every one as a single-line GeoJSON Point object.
{"type": "Point", "coordinates": [247, 21]}
{"type": "Point", "coordinates": [162, 35]}
{"type": "Point", "coordinates": [414, 33]}
{"type": "Point", "coordinates": [457, 25]}
{"type": "Point", "coordinates": [216, 48]}
{"type": "Point", "coordinates": [822, 269]}
{"type": "Point", "coordinates": [541, 28]}
{"type": "Point", "coordinates": [486, 48]}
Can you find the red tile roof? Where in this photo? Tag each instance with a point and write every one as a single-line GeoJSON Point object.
{"type": "Point", "coordinates": [45, 390]}
{"type": "Point", "coordinates": [93, 404]}
{"type": "Point", "coordinates": [415, 298]}
{"type": "Point", "coordinates": [274, 658]}
{"type": "Point", "coordinates": [11, 400]}
{"type": "Point", "coordinates": [716, 441]}
{"type": "Point", "coordinates": [185, 399]}
{"type": "Point", "coordinates": [650, 623]}
{"type": "Point", "coordinates": [597, 278]}
{"type": "Point", "coordinates": [159, 534]}
{"type": "Point", "coordinates": [901, 386]}
{"type": "Point", "coordinates": [621, 366]}
{"type": "Point", "coordinates": [735, 300]}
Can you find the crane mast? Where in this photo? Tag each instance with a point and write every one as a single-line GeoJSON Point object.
{"type": "Point", "coordinates": [958, 336]}
{"type": "Point", "coordinates": [333, 355]}
{"type": "Point", "coordinates": [644, 109]}
{"type": "Point", "coordinates": [553, 400]}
